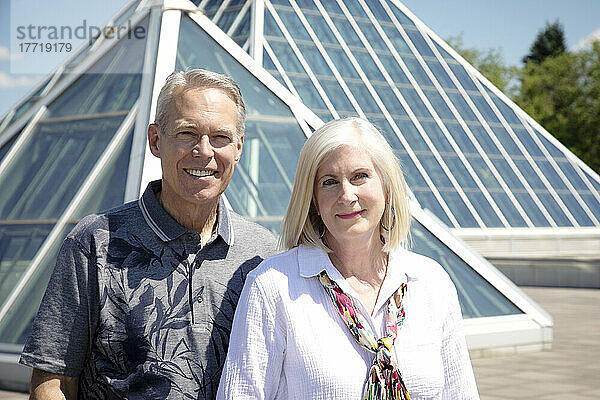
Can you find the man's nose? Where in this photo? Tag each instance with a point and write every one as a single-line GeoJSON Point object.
{"type": "Point", "coordinates": [203, 147]}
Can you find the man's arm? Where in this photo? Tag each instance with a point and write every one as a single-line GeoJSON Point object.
{"type": "Point", "coordinates": [46, 385]}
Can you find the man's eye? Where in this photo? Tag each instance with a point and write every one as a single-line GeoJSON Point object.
{"type": "Point", "coordinates": [220, 140]}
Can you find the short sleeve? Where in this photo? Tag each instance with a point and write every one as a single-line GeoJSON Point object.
{"type": "Point", "coordinates": [459, 381]}
{"type": "Point", "coordinates": [253, 368]}
{"type": "Point", "coordinates": [61, 335]}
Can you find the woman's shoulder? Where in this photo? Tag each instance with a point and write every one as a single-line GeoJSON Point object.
{"type": "Point", "coordinates": [280, 266]}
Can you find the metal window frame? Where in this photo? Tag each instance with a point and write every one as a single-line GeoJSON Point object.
{"type": "Point", "coordinates": [390, 120]}
{"type": "Point", "coordinates": [477, 77]}
{"type": "Point", "coordinates": [554, 164]}
{"type": "Point", "coordinates": [478, 146]}
{"type": "Point", "coordinates": [303, 62]}
{"type": "Point", "coordinates": [256, 36]}
{"type": "Point", "coordinates": [220, 11]}
{"type": "Point", "coordinates": [165, 64]}
{"type": "Point", "coordinates": [532, 162]}
{"type": "Point", "coordinates": [437, 119]}
{"type": "Point", "coordinates": [236, 22]}
{"type": "Point", "coordinates": [428, 105]}
{"type": "Point", "coordinates": [107, 156]}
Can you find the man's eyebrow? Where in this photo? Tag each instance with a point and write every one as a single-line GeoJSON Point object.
{"type": "Point", "coordinates": [224, 130]}
{"type": "Point", "coordinates": [185, 124]}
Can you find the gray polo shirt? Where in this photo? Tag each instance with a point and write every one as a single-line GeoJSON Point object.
{"type": "Point", "coordinates": [137, 308]}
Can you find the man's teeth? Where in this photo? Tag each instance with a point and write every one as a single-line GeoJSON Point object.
{"type": "Point", "coordinates": [200, 172]}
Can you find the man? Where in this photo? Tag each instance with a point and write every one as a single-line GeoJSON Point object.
{"type": "Point", "coordinates": [141, 299]}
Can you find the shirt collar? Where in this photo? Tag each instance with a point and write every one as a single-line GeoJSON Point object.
{"type": "Point", "coordinates": [401, 268]}
{"type": "Point", "coordinates": [313, 260]}
{"type": "Point", "coordinates": [166, 227]}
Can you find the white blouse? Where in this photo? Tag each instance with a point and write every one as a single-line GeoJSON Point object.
{"type": "Point", "coordinates": [289, 342]}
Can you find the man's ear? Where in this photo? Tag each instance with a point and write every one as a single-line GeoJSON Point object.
{"type": "Point", "coordinates": [154, 139]}
{"type": "Point", "coordinates": [239, 146]}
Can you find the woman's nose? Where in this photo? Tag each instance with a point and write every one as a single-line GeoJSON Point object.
{"type": "Point", "coordinates": [348, 192]}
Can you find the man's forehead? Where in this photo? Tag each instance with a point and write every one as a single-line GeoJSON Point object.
{"type": "Point", "coordinates": [188, 103]}
{"type": "Point", "coordinates": [187, 94]}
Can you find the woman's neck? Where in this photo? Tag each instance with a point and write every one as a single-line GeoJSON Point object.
{"type": "Point", "coordinates": [363, 260]}
{"type": "Point", "coordinates": [364, 266]}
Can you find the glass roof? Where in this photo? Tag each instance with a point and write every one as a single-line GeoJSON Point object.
{"type": "Point", "coordinates": [263, 179]}
{"type": "Point", "coordinates": [477, 297]}
{"type": "Point", "coordinates": [106, 192]}
{"type": "Point", "coordinates": [54, 159]}
{"type": "Point", "coordinates": [472, 158]}
{"type": "Point", "coordinates": [261, 186]}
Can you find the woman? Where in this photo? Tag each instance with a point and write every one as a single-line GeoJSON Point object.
{"type": "Point", "coordinates": [346, 312]}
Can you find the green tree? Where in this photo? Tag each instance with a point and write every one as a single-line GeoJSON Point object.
{"type": "Point", "coordinates": [550, 42]}
{"type": "Point", "coordinates": [562, 93]}
{"type": "Point", "coordinates": [490, 63]}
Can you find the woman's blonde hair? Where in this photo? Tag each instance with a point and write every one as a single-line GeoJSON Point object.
{"type": "Point", "coordinates": [301, 223]}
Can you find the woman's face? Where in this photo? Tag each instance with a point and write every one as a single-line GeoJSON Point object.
{"type": "Point", "coordinates": [349, 195]}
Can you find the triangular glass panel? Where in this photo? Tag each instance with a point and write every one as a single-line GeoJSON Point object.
{"type": "Point", "coordinates": [261, 186]}
{"type": "Point", "coordinates": [22, 242]}
{"type": "Point", "coordinates": [54, 161]}
{"type": "Point", "coordinates": [262, 183]}
{"type": "Point", "coordinates": [6, 146]}
{"type": "Point", "coordinates": [353, 39]}
{"type": "Point", "coordinates": [478, 298]}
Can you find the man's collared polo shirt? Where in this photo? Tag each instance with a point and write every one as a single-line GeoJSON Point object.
{"type": "Point", "coordinates": [137, 308]}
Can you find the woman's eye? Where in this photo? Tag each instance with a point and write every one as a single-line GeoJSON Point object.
{"type": "Point", "coordinates": [361, 175]}
{"type": "Point", "coordinates": [329, 181]}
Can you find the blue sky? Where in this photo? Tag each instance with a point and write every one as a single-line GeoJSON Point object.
{"type": "Point", "coordinates": [508, 25]}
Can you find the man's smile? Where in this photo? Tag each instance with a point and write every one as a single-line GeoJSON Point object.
{"type": "Point", "coordinates": [200, 173]}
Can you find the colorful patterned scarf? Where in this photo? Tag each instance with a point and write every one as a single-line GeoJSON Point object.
{"type": "Point", "coordinates": [384, 381]}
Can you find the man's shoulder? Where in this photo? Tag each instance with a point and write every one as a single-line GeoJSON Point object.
{"type": "Point", "coordinates": [109, 220]}
{"type": "Point", "coordinates": [248, 232]}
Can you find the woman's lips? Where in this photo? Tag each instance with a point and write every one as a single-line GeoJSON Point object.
{"type": "Point", "coordinates": [351, 215]}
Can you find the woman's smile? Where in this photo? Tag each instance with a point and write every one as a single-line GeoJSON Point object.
{"type": "Point", "coordinates": [350, 215]}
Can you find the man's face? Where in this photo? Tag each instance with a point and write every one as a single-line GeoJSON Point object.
{"type": "Point", "coordinates": [199, 148]}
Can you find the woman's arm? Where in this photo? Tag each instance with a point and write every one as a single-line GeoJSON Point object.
{"type": "Point", "coordinates": [459, 381]}
{"type": "Point", "coordinates": [253, 368]}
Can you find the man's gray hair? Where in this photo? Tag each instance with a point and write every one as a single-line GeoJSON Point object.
{"type": "Point", "coordinates": [199, 78]}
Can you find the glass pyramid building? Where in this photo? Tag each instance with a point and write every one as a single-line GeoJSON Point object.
{"type": "Point", "coordinates": [480, 170]}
